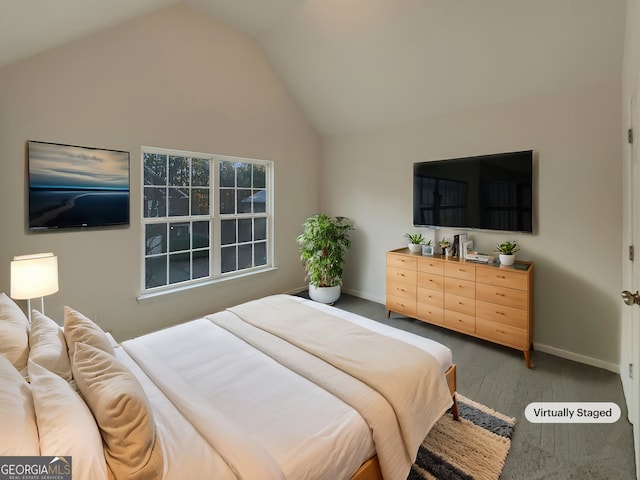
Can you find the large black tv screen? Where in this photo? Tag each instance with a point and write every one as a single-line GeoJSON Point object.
{"type": "Point", "coordinates": [77, 187]}
{"type": "Point", "coordinates": [489, 192]}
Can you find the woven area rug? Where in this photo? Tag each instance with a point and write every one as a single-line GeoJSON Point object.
{"type": "Point", "coordinates": [476, 447]}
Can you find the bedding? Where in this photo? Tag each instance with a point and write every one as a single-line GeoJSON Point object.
{"type": "Point", "coordinates": [250, 392]}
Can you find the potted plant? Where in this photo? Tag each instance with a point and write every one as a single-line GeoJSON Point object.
{"type": "Point", "coordinates": [415, 242]}
{"type": "Point", "coordinates": [323, 245]}
{"type": "Point", "coordinates": [507, 252]}
{"type": "Point", "coordinates": [445, 245]}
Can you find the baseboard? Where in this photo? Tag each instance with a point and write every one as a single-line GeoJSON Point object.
{"type": "Point", "coordinates": [358, 294]}
{"type": "Point", "coordinates": [576, 357]}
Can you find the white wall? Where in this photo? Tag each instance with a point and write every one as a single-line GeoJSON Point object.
{"type": "Point", "coordinates": [173, 79]}
{"type": "Point", "coordinates": [576, 247]}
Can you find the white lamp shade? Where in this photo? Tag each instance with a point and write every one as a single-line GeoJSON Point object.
{"type": "Point", "coordinates": [34, 276]}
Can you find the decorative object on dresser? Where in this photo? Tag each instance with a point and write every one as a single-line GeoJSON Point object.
{"type": "Point", "coordinates": [323, 245]}
{"type": "Point", "coordinates": [445, 245]}
{"type": "Point", "coordinates": [507, 251]}
{"type": "Point", "coordinates": [416, 240]}
{"type": "Point", "coordinates": [488, 301]}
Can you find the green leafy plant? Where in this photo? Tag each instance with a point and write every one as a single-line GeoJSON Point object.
{"type": "Point", "coordinates": [416, 238]}
{"type": "Point", "coordinates": [323, 245]}
{"type": "Point", "coordinates": [507, 248]}
{"type": "Point", "coordinates": [444, 243]}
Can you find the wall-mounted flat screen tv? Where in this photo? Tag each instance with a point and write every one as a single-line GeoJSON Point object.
{"type": "Point", "coordinates": [76, 187]}
{"type": "Point", "coordinates": [488, 192]}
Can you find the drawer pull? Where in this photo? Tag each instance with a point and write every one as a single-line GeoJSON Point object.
{"type": "Point", "coordinates": [501, 276]}
{"type": "Point", "coordinates": [500, 294]}
{"type": "Point", "coordinates": [500, 313]}
{"type": "Point", "coordinates": [501, 331]}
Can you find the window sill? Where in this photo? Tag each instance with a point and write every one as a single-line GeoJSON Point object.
{"type": "Point", "coordinates": [149, 296]}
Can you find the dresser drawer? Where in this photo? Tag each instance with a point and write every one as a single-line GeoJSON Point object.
{"type": "Point", "coordinates": [501, 314]}
{"type": "Point", "coordinates": [502, 296]}
{"type": "Point", "coordinates": [504, 334]}
{"type": "Point", "coordinates": [401, 275]}
{"type": "Point", "coordinates": [459, 321]}
{"type": "Point", "coordinates": [401, 290]}
{"type": "Point", "coordinates": [459, 304]}
{"type": "Point", "coordinates": [432, 282]}
{"type": "Point", "coordinates": [502, 278]}
{"type": "Point", "coordinates": [428, 265]}
{"type": "Point", "coordinates": [463, 271]}
{"type": "Point", "coordinates": [402, 261]}
{"type": "Point", "coordinates": [430, 313]}
{"type": "Point", "coordinates": [463, 288]}
{"type": "Point", "coordinates": [401, 305]}
{"type": "Point", "coordinates": [430, 297]}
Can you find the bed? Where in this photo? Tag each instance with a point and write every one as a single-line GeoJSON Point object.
{"type": "Point", "coordinates": [280, 387]}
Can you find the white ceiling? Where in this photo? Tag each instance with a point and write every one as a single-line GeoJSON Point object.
{"type": "Point", "coordinates": [361, 64]}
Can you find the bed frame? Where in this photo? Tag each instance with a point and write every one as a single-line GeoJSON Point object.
{"type": "Point", "coordinates": [370, 470]}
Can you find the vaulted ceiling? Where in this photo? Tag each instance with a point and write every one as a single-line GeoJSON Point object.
{"type": "Point", "coordinates": [360, 64]}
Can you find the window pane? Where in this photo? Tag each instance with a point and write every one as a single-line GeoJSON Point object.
{"type": "Point", "coordinates": [260, 229]}
{"type": "Point", "coordinates": [201, 263]}
{"type": "Point", "coordinates": [243, 175]}
{"type": "Point", "coordinates": [227, 175]}
{"type": "Point", "coordinates": [228, 259]}
{"type": "Point", "coordinates": [200, 201]}
{"type": "Point", "coordinates": [155, 169]}
{"type": "Point", "coordinates": [155, 239]}
{"type": "Point", "coordinates": [179, 268]}
{"type": "Point", "coordinates": [227, 232]}
{"type": "Point", "coordinates": [179, 238]}
{"type": "Point", "coordinates": [178, 171]}
{"type": "Point", "coordinates": [155, 204]}
{"type": "Point", "coordinates": [227, 201]}
{"type": "Point", "coordinates": [245, 259]}
{"type": "Point", "coordinates": [155, 271]}
{"type": "Point", "coordinates": [199, 172]}
{"type": "Point", "coordinates": [244, 230]}
{"type": "Point", "coordinates": [259, 176]}
{"type": "Point", "coordinates": [178, 202]}
{"type": "Point", "coordinates": [260, 253]}
{"type": "Point", "coordinates": [200, 234]}
{"type": "Point", "coordinates": [244, 201]}
{"type": "Point", "coordinates": [259, 201]}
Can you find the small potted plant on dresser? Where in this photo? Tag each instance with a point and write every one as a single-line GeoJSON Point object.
{"type": "Point", "coordinates": [415, 242]}
{"type": "Point", "coordinates": [323, 245]}
{"type": "Point", "coordinates": [445, 245]}
{"type": "Point", "coordinates": [507, 251]}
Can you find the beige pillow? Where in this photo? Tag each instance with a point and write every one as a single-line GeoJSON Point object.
{"type": "Point", "coordinates": [14, 333]}
{"type": "Point", "coordinates": [79, 329]}
{"type": "Point", "coordinates": [48, 347]}
{"type": "Point", "coordinates": [65, 424]}
{"type": "Point", "coordinates": [17, 415]}
{"type": "Point", "coordinates": [122, 412]}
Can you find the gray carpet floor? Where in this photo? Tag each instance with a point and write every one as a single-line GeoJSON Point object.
{"type": "Point", "coordinates": [497, 377]}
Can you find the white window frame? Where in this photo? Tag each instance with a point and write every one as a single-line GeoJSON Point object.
{"type": "Point", "coordinates": [214, 217]}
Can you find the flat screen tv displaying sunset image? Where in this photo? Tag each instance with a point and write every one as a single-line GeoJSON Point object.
{"type": "Point", "coordinates": [77, 187]}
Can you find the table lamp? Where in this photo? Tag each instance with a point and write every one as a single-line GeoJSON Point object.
{"type": "Point", "coordinates": [34, 276]}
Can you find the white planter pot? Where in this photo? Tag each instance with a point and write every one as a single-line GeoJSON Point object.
{"type": "Point", "coordinates": [415, 247]}
{"type": "Point", "coordinates": [507, 259]}
{"type": "Point", "coordinates": [324, 294]}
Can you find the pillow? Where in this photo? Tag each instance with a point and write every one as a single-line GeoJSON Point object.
{"type": "Point", "coordinates": [79, 329]}
{"type": "Point", "coordinates": [47, 346]}
{"type": "Point", "coordinates": [122, 411]}
{"type": "Point", "coordinates": [17, 415]}
{"type": "Point", "coordinates": [14, 333]}
{"type": "Point", "coordinates": [65, 424]}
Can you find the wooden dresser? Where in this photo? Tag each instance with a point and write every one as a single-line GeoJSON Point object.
{"type": "Point", "coordinates": [492, 302]}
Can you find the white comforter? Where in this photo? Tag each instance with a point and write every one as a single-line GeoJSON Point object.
{"type": "Point", "coordinates": [293, 429]}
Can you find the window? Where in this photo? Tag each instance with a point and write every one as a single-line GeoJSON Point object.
{"type": "Point", "coordinates": [205, 217]}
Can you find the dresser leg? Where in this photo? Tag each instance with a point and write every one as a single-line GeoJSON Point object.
{"type": "Point", "coordinates": [527, 358]}
{"type": "Point", "coordinates": [388, 314]}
